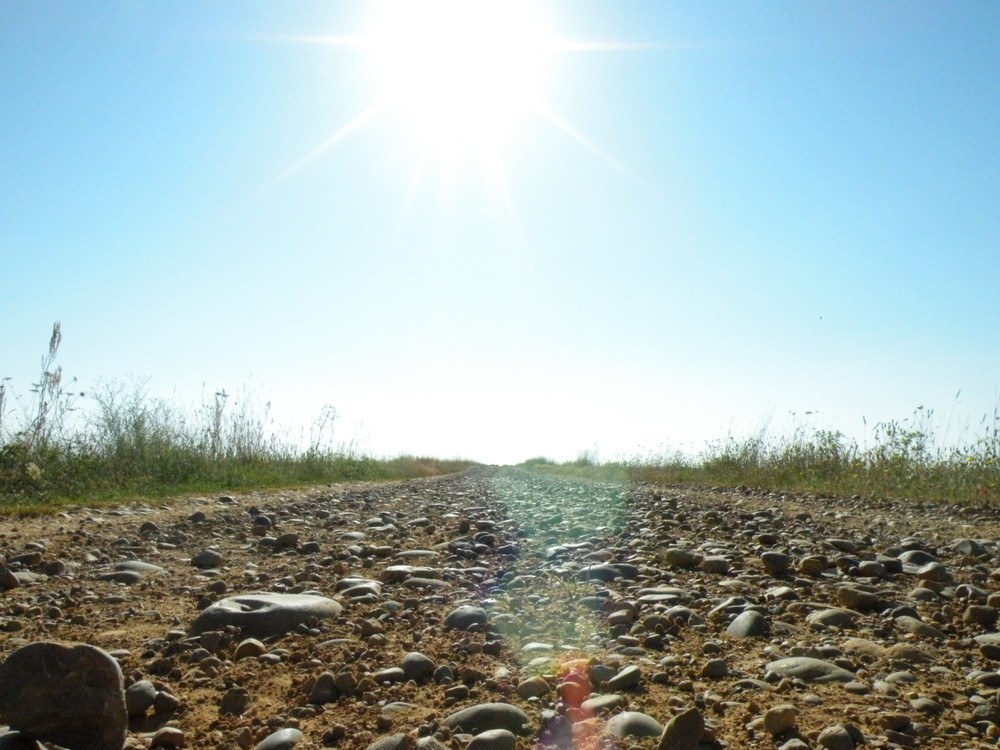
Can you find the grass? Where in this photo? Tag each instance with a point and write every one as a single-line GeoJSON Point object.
{"type": "Point", "coordinates": [60, 446]}
{"type": "Point", "coordinates": [905, 461]}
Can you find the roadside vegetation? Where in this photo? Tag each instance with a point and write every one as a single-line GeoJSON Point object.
{"type": "Point", "coordinates": [59, 445]}
{"type": "Point", "coordinates": [905, 460]}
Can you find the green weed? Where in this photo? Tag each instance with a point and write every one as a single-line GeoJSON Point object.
{"type": "Point", "coordinates": [61, 445]}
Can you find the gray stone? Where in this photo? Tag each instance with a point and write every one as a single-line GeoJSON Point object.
{"type": "Point", "coordinates": [809, 670]}
{"type": "Point", "coordinates": [683, 732]}
{"type": "Point", "coordinates": [235, 702]}
{"type": "Point", "coordinates": [128, 577]}
{"type": "Point", "coordinates": [139, 566]}
{"type": "Point", "coordinates": [533, 687]}
{"type": "Point", "coordinates": [681, 558]}
{"type": "Point", "coordinates": [602, 704]}
{"type": "Point", "coordinates": [969, 547]}
{"type": "Point", "coordinates": [262, 615]}
{"type": "Point", "coordinates": [599, 572]}
{"type": "Point", "coordinates": [73, 696]}
{"type": "Point", "coordinates": [493, 739]}
{"type": "Point", "coordinates": [398, 741]}
{"type": "Point", "coordinates": [465, 617]}
{"type": "Point", "coordinates": [417, 666]}
{"type": "Point", "coordinates": [484, 716]}
{"type": "Point", "coordinates": [856, 598]}
{"type": "Point", "coordinates": [919, 627]}
{"type": "Point", "coordinates": [748, 624]}
{"type": "Point", "coordinates": [835, 617]}
{"type": "Point", "coordinates": [835, 738]}
{"type": "Point", "coordinates": [633, 724]}
{"type": "Point", "coordinates": [283, 739]}
{"type": "Point", "coordinates": [780, 718]}
{"type": "Point", "coordinates": [324, 690]}
{"type": "Point", "coordinates": [139, 697]}
{"type": "Point", "coordinates": [627, 679]}
{"type": "Point", "coordinates": [776, 563]}
{"type": "Point", "coordinates": [207, 558]}
{"type": "Point", "coordinates": [167, 737]}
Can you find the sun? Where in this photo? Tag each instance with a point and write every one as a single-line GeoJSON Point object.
{"type": "Point", "coordinates": [459, 75]}
{"type": "Point", "coordinates": [459, 79]}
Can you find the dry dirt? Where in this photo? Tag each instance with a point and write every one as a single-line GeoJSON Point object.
{"type": "Point", "coordinates": [518, 544]}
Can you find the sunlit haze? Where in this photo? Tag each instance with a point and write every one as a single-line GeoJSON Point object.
{"type": "Point", "coordinates": [503, 230]}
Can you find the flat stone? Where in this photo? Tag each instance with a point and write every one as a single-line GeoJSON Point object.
{"type": "Point", "coordinates": [919, 627]}
{"type": "Point", "coordinates": [602, 704]}
{"type": "Point", "coordinates": [139, 566]}
{"type": "Point", "coordinates": [262, 615]}
{"type": "Point", "coordinates": [809, 669]}
{"type": "Point", "coordinates": [834, 617]}
{"type": "Point", "coordinates": [283, 739]}
{"type": "Point", "coordinates": [73, 696]}
{"type": "Point", "coordinates": [484, 716]}
{"type": "Point", "coordinates": [601, 572]}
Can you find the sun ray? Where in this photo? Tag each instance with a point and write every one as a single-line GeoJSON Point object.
{"type": "Point", "coordinates": [363, 117]}
{"type": "Point", "coordinates": [580, 138]}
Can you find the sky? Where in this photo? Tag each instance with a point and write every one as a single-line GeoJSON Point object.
{"type": "Point", "coordinates": [498, 231]}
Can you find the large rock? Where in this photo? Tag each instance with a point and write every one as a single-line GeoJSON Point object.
{"type": "Point", "coordinates": [73, 696]}
{"type": "Point", "coordinates": [264, 615]}
{"type": "Point", "coordinates": [808, 669]}
{"type": "Point", "coordinates": [485, 716]}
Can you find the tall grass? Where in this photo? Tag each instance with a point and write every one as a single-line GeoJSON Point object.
{"type": "Point", "coordinates": [905, 460]}
{"type": "Point", "coordinates": [59, 444]}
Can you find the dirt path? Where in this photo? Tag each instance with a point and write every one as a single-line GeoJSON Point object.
{"type": "Point", "coordinates": [649, 599]}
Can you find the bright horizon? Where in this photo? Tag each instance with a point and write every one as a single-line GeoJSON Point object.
{"type": "Point", "coordinates": [504, 230]}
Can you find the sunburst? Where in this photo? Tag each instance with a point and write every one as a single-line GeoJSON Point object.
{"type": "Point", "coordinates": [459, 78]}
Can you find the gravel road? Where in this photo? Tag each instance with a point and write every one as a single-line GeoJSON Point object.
{"type": "Point", "coordinates": [503, 610]}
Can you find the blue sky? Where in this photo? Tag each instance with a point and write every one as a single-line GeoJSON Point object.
{"type": "Point", "coordinates": [710, 215]}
